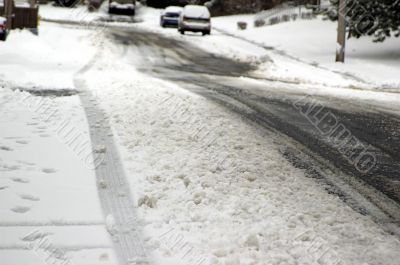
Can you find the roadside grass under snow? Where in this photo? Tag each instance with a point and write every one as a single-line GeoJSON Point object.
{"type": "Point", "coordinates": [314, 42]}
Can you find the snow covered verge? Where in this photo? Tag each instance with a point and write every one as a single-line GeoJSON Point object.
{"type": "Point", "coordinates": [212, 189]}
{"type": "Point", "coordinates": [49, 60]}
{"type": "Point", "coordinates": [314, 42]}
{"type": "Point", "coordinates": [81, 15]}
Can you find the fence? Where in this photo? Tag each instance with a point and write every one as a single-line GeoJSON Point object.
{"type": "Point", "coordinates": [283, 13]}
{"type": "Point", "coordinates": [23, 16]}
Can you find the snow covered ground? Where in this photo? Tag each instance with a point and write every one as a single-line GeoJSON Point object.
{"type": "Point", "coordinates": [82, 16]}
{"type": "Point", "coordinates": [79, 13]}
{"type": "Point", "coordinates": [48, 195]}
{"type": "Point", "coordinates": [207, 186]}
{"type": "Point", "coordinates": [47, 61]}
{"type": "Point", "coordinates": [314, 42]}
{"type": "Point", "coordinates": [49, 207]}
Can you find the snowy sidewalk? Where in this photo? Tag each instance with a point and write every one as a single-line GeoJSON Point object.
{"type": "Point", "coordinates": [49, 206]}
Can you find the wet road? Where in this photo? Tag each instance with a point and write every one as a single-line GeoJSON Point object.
{"type": "Point", "coordinates": [336, 140]}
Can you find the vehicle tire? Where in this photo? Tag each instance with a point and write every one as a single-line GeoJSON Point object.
{"type": "Point", "coordinates": [206, 32]}
{"type": "Point", "coordinates": [3, 36]}
{"type": "Point", "coordinates": [182, 32]}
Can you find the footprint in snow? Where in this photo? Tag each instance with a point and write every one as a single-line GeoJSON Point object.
{"type": "Point", "coordinates": [35, 235]}
{"type": "Point", "coordinates": [9, 167]}
{"type": "Point", "coordinates": [25, 163]}
{"type": "Point", "coordinates": [21, 142]}
{"type": "Point", "coordinates": [44, 135]}
{"type": "Point", "coordinates": [48, 170]}
{"type": "Point", "coordinates": [100, 149]}
{"type": "Point", "coordinates": [32, 123]}
{"type": "Point", "coordinates": [20, 180]}
{"type": "Point", "coordinates": [3, 187]}
{"type": "Point", "coordinates": [6, 148]}
{"type": "Point", "coordinates": [12, 137]}
{"type": "Point", "coordinates": [103, 257]}
{"type": "Point", "coordinates": [20, 209]}
{"type": "Point", "coordinates": [29, 197]}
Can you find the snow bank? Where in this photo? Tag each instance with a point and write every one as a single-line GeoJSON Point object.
{"type": "Point", "coordinates": [49, 60]}
{"type": "Point", "coordinates": [79, 13]}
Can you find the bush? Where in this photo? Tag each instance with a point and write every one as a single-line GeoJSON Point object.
{"type": "Point", "coordinates": [274, 20]}
{"type": "Point", "coordinates": [259, 23]}
{"type": "Point", "coordinates": [242, 25]}
{"type": "Point", "coordinates": [285, 18]}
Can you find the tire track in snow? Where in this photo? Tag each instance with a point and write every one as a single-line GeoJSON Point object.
{"type": "Point", "coordinates": [113, 188]}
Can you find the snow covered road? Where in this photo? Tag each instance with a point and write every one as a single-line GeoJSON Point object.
{"type": "Point", "coordinates": [172, 152]}
{"type": "Point", "coordinates": [371, 155]}
{"type": "Point", "coordinates": [201, 160]}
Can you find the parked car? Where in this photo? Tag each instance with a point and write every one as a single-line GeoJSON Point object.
{"type": "Point", "coordinates": [195, 18]}
{"type": "Point", "coordinates": [3, 28]}
{"type": "Point", "coordinates": [164, 3]}
{"type": "Point", "coordinates": [67, 3]}
{"type": "Point", "coordinates": [122, 7]}
{"type": "Point", "coordinates": [170, 16]}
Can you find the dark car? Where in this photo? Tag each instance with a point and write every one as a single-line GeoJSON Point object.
{"type": "Point", "coordinates": [3, 28]}
{"type": "Point", "coordinates": [170, 16]}
{"type": "Point", "coordinates": [122, 7]}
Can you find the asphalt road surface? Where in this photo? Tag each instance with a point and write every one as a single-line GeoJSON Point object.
{"type": "Point", "coordinates": [353, 147]}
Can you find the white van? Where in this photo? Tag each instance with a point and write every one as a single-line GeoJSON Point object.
{"type": "Point", "coordinates": [195, 18]}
